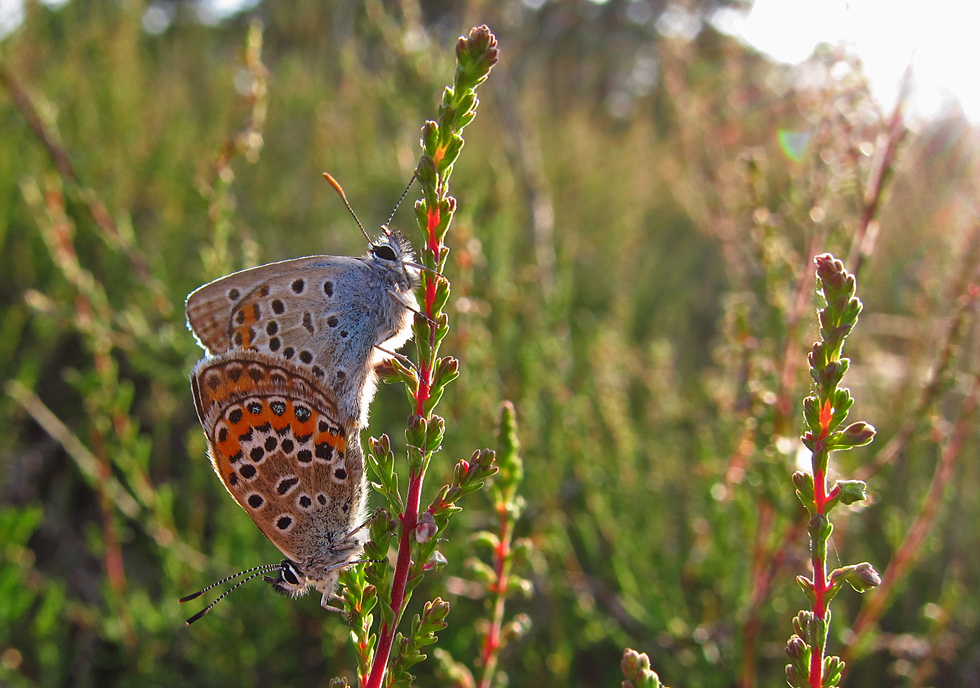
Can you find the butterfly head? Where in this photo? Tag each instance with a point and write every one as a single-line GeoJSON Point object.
{"type": "Point", "coordinates": [291, 582]}
{"type": "Point", "coordinates": [393, 251]}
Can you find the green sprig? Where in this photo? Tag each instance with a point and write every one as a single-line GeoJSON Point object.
{"type": "Point", "coordinates": [823, 414]}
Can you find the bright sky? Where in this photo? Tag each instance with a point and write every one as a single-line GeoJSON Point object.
{"type": "Point", "coordinates": [939, 37]}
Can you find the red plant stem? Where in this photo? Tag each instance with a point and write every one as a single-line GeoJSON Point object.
{"type": "Point", "coordinates": [491, 643]}
{"type": "Point", "coordinates": [819, 552]}
{"type": "Point", "coordinates": [425, 367]}
{"type": "Point", "coordinates": [432, 221]}
{"type": "Point", "coordinates": [410, 518]}
{"type": "Point", "coordinates": [819, 583]}
{"type": "Point", "coordinates": [760, 584]}
{"type": "Point", "coordinates": [425, 387]}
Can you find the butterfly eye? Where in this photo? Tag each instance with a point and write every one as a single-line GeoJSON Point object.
{"type": "Point", "coordinates": [288, 574]}
{"type": "Point", "coordinates": [384, 252]}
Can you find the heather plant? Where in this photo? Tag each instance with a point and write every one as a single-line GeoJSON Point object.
{"type": "Point", "coordinates": [498, 578]}
{"type": "Point", "coordinates": [418, 531]}
{"type": "Point", "coordinates": [824, 414]}
{"type": "Point", "coordinates": [631, 265]}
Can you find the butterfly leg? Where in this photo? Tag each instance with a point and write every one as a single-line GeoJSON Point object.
{"type": "Point", "coordinates": [368, 521]}
{"type": "Point", "coordinates": [410, 307]}
{"type": "Point", "coordinates": [325, 602]}
{"type": "Point", "coordinates": [405, 360]}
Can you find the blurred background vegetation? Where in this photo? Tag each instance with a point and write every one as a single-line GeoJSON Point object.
{"type": "Point", "coordinates": [639, 204]}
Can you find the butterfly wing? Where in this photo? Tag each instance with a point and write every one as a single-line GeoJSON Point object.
{"type": "Point", "coordinates": [279, 447]}
{"type": "Point", "coordinates": [322, 313]}
{"type": "Point", "coordinates": [278, 308]}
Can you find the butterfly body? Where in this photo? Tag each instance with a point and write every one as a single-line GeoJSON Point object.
{"type": "Point", "coordinates": [285, 391]}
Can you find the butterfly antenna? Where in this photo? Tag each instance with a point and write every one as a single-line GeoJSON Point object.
{"type": "Point", "coordinates": [395, 209]}
{"type": "Point", "coordinates": [259, 570]}
{"type": "Point", "coordinates": [336, 185]}
{"type": "Point", "coordinates": [194, 596]}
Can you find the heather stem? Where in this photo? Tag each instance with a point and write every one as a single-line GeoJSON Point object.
{"type": "Point", "coordinates": [441, 143]}
{"type": "Point", "coordinates": [508, 507]}
{"type": "Point", "coordinates": [489, 654]}
{"type": "Point", "coordinates": [824, 413]}
{"type": "Point", "coordinates": [402, 566]}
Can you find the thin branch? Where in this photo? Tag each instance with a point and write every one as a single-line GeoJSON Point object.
{"type": "Point", "coordinates": [88, 464]}
{"type": "Point", "coordinates": [62, 162]}
{"type": "Point", "coordinates": [881, 172]}
{"type": "Point", "coordinates": [969, 272]}
{"type": "Point", "coordinates": [909, 550]}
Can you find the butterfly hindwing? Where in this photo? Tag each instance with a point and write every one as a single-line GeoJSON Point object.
{"type": "Point", "coordinates": [279, 448]}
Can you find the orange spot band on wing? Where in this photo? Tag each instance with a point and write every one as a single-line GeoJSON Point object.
{"type": "Point", "coordinates": [243, 321]}
{"type": "Point", "coordinates": [300, 426]}
{"type": "Point", "coordinates": [335, 440]}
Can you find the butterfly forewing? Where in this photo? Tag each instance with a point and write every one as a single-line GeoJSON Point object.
{"type": "Point", "coordinates": [327, 314]}
{"type": "Point", "coordinates": [279, 447]}
{"type": "Point", "coordinates": [238, 311]}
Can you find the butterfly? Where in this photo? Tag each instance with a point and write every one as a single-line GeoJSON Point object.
{"type": "Point", "coordinates": [285, 389]}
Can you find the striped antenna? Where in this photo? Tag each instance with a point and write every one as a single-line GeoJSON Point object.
{"type": "Point", "coordinates": [395, 209]}
{"type": "Point", "coordinates": [255, 571]}
{"type": "Point", "coordinates": [194, 596]}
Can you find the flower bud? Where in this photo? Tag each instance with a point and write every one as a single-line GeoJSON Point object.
{"type": "Point", "coordinates": [426, 527]}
